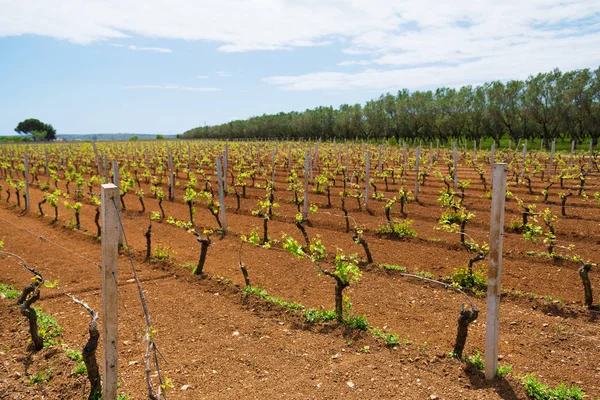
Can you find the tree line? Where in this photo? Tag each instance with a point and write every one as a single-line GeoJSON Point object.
{"type": "Point", "coordinates": [545, 106]}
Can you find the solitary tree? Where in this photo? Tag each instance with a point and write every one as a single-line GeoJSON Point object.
{"type": "Point", "coordinates": [37, 129]}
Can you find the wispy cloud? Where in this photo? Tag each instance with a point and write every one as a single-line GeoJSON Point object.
{"type": "Point", "coordinates": [174, 86]}
{"type": "Point", "coordinates": [411, 42]}
{"type": "Point", "coordinates": [202, 76]}
{"type": "Point", "coordinates": [354, 62]}
{"type": "Point", "coordinates": [223, 74]}
{"type": "Point", "coordinates": [151, 49]}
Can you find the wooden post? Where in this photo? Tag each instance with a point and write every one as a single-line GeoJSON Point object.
{"type": "Point", "coordinates": [95, 155]}
{"type": "Point", "coordinates": [48, 170]}
{"type": "Point", "coordinates": [455, 163]}
{"type": "Point", "coordinates": [495, 271]}
{"type": "Point", "coordinates": [347, 160]}
{"type": "Point", "coordinates": [367, 179]}
{"type": "Point", "coordinates": [105, 169]}
{"type": "Point", "coordinates": [418, 155]}
{"type": "Point", "coordinates": [171, 178]}
{"type": "Point", "coordinates": [117, 183]}
{"type": "Point", "coordinates": [110, 254]}
{"type": "Point", "coordinates": [115, 168]}
{"type": "Point", "coordinates": [523, 161]}
{"type": "Point", "coordinates": [27, 200]}
{"type": "Point", "coordinates": [572, 153]}
{"type": "Point", "coordinates": [379, 157]}
{"type": "Point", "coordinates": [305, 201]}
{"type": "Point", "coordinates": [548, 175]}
{"type": "Point", "coordinates": [273, 167]}
{"type": "Point", "coordinates": [225, 158]}
{"type": "Point", "coordinates": [221, 182]}
{"type": "Point", "coordinates": [591, 152]}
{"type": "Point", "coordinates": [492, 160]}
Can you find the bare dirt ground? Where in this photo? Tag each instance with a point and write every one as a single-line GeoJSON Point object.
{"type": "Point", "coordinates": [220, 344]}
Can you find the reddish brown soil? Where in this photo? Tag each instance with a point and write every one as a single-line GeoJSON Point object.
{"type": "Point", "coordinates": [276, 354]}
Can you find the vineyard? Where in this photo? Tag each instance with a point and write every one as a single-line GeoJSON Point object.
{"type": "Point", "coordinates": [300, 270]}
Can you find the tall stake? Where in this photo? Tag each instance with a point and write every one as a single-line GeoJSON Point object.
{"type": "Point", "coordinates": [492, 160]}
{"type": "Point", "coordinates": [551, 159]}
{"type": "Point", "coordinates": [305, 201]}
{"type": "Point", "coordinates": [455, 163]}
{"type": "Point", "coordinates": [495, 271]}
{"type": "Point", "coordinates": [27, 201]}
{"type": "Point", "coordinates": [171, 178]}
{"type": "Point", "coordinates": [221, 182]}
{"type": "Point", "coordinates": [417, 173]}
{"type": "Point", "coordinates": [110, 254]}
{"type": "Point", "coordinates": [367, 179]}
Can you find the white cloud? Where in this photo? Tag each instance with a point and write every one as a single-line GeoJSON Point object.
{"type": "Point", "coordinates": [404, 38]}
{"type": "Point", "coordinates": [354, 62]}
{"type": "Point", "coordinates": [202, 76]}
{"type": "Point", "coordinates": [223, 74]}
{"type": "Point", "coordinates": [174, 86]}
{"type": "Point", "coordinates": [152, 49]}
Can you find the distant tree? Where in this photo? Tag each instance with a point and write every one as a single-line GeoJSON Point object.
{"type": "Point", "coordinates": [160, 137]}
{"type": "Point", "coordinates": [37, 129]}
{"type": "Point", "coordinates": [134, 138]}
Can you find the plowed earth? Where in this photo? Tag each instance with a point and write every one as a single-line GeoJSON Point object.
{"type": "Point", "coordinates": [220, 344]}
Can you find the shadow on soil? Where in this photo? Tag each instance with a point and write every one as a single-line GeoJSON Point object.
{"type": "Point", "coordinates": [501, 386]}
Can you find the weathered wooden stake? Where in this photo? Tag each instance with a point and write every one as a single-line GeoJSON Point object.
{"type": "Point", "coordinates": [495, 271]}
{"type": "Point", "coordinates": [96, 156]}
{"type": "Point", "coordinates": [27, 200]}
{"type": "Point", "coordinates": [171, 178]}
{"type": "Point", "coordinates": [418, 155]}
{"type": "Point", "coordinates": [110, 254]}
{"type": "Point", "coordinates": [524, 157]}
{"type": "Point", "coordinates": [549, 174]}
{"type": "Point", "coordinates": [305, 201]}
{"type": "Point", "coordinates": [455, 163]}
{"type": "Point", "coordinates": [221, 182]}
{"type": "Point", "coordinates": [367, 179]}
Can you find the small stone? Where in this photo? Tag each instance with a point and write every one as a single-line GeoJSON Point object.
{"type": "Point", "coordinates": [434, 397]}
{"type": "Point", "coordinates": [350, 384]}
{"type": "Point", "coordinates": [133, 362]}
{"type": "Point", "coordinates": [214, 371]}
{"type": "Point", "coordinates": [335, 356]}
{"type": "Point", "coordinates": [236, 333]}
{"type": "Point", "coordinates": [185, 387]}
{"type": "Point", "coordinates": [545, 325]}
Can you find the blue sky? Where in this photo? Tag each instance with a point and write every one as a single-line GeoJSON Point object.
{"type": "Point", "coordinates": [151, 67]}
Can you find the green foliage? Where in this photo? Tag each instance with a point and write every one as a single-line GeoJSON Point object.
{"type": "Point", "coordinates": [462, 278]}
{"type": "Point", "coordinates": [391, 339]}
{"type": "Point", "coordinates": [31, 125]}
{"type": "Point", "coordinates": [292, 246]}
{"type": "Point", "coordinates": [48, 327]}
{"type": "Point", "coordinates": [346, 268]}
{"type": "Point", "coordinates": [425, 274]}
{"type": "Point", "coordinates": [504, 370]}
{"type": "Point", "coordinates": [477, 360]}
{"type": "Point", "coordinates": [540, 391]}
{"type": "Point", "coordinates": [40, 377]}
{"type": "Point", "coordinates": [74, 355]}
{"type": "Point", "coordinates": [80, 369]}
{"type": "Point", "coordinates": [391, 267]}
{"type": "Point", "coordinates": [400, 229]}
{"type": "Point", "coordinates": [314, 315]}
{"type": "Point", "coordinates": [8, 292]}
{"type": "Point", "coordinates": [262, 293]}
{"type": "Point", "coordinates": [163, 253]}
